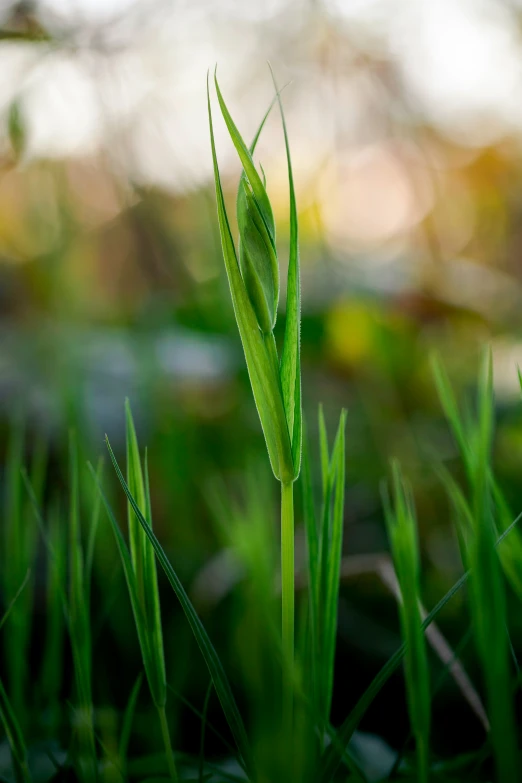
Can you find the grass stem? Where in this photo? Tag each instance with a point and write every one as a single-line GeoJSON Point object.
{"type": "Point", "coordinates": [287, 593]}
{"type": "Point", "coordinates": [168, 747]}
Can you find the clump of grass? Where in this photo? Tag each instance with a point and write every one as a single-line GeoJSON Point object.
{"type": "Point", "coordinates": [324, 546]}
{"type": "Point", "coordinates": [477, 520]}
{"type": "Point", "coordinates": [140, 573]}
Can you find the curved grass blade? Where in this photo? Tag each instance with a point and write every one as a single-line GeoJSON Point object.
{"type": "Point", "coordinates": [203, 729]}
{"type": "Point", "coordinates": [15, 738]}
{"type": "Point", "coordinates": [487, 592]}
{"type": "Point", "coordinates": [137, 609]}
{"type": "Point", "coordinates": [402, 532]}
{"type": "Point", "coordinates": [332, 756]}
{"type": "Point", "coordinates": [215, 667]}
{"type": "Point", "coordinates": [333, 569]}
{"type": "Point", "coordinates": [249, 167]}
{"type": "Point", "coordinates": [291, 354]}
{"type": "Point", "coordinates": [128, 717]}
{"type": "Point", "coordinates": [15, 598]}
{"type": "Point", "coordinates": [312, 545]}
{"type": "Point", "coordinates": [11, 726]}
{"type": "Point", "coordinates": [144, 568]}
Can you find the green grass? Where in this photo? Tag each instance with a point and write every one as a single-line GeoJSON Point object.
{"type": "Point", "coordinates": [280, 700]}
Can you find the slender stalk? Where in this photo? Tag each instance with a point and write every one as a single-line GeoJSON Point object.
{"type": "Point", "coordinates": [168, 747]}
{"type": "Point", "coordinates": [287, 593]}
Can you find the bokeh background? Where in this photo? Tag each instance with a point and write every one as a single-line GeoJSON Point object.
{"type": "Point", "coordinates": [405, 121]}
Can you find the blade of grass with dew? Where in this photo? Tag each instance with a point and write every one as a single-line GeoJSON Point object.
{"type": "Point", "coordinates": [402, 532]}
{"type": "Point", "coordinates": [78, 622]}
{"type": "Point", "coordinates": [146, 581]}
{"type": "Point", "coordinates": [487, 593]}
{"type": "Point", "coordinates": [332, 756]}
{"type": "Point", "coordinates": [215, 667]}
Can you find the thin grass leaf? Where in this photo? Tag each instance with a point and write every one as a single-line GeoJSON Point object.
{"type": "Point", "coordinates": [509, 552]}
{"type": "Point", "coordinates": [331, 597]}
{"type": "Point", "coordinates": [402, 531]}
{"type": "Point", "coordinates": [203, 729]}
{"type": "Point", "coordinates": [291, 354]}
{"type": "Point", "coordinates": [91, 540]}
{"type": "Point", "coordinates": [15, 598]}
{"type": "Point", "coordinates": [331, 757]}
{"type": "Point", "coordinates": [78, 620]}
{"type": "Point", "coordinates": [249, 167]}
{"type": "Point", "coordinates": [312, 543]}
{"type": "Point", "coordinates": [487, 593]}
{"type": "Point", "coordinates": [11, 726]}
{"type": "Point", "coordinates": [324, 453]}
{"type": "Point", "coordinates": [226, 744]}
{"type": "Point", "coordinates": [152, 597]}
{"type": "Point", "coordinates": [450, 408]}
{"type": "Point", "coordinates": [144, 568]}
{"type": "Point", "coordinates": [54, 537]}
{"type": "Point", "coordinates": [128, 719]}
{"type": "Point", "coordinates": [137, 609]}
{"type": "Point", "coordinates": [17, 552]}
{"type": "Point", "coordinates": [15, 738]}
{"type": "Point", "coordinates": [219, 678]}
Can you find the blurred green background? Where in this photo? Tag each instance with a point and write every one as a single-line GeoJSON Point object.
{"type": "Point", "coordinates": [405, 123]}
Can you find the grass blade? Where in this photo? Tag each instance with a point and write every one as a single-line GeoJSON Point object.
{"type": "Point", "coordinates": [334, 566]}
{"type": "Point", "coordinates": [128, 717]}
{"type": "Point", "coordinates": [402, 532]}
{"type": "Point", "coordinates": [332, 756]}
{"type": "Point", "coordinates": [291, 355]}
{"type": "Point", "coordinates": [249, 167]}
{"type": "Point", "coordinates": [15, 738]}
{"type": "Point", "coordinates": [210, 656]}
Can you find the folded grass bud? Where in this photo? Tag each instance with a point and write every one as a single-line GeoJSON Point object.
{"type": "Point", "coordinates": [257, 258]}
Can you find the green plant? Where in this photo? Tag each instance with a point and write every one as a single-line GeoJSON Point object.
{"type": "Point", "coordinates": [140, 573]}
{"type": "Point", "coordinates": [478, 528]}
{"type": "Point", "coordinates": [402, 532]}
{"type": "Point", "coordinates": [276, 383]}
